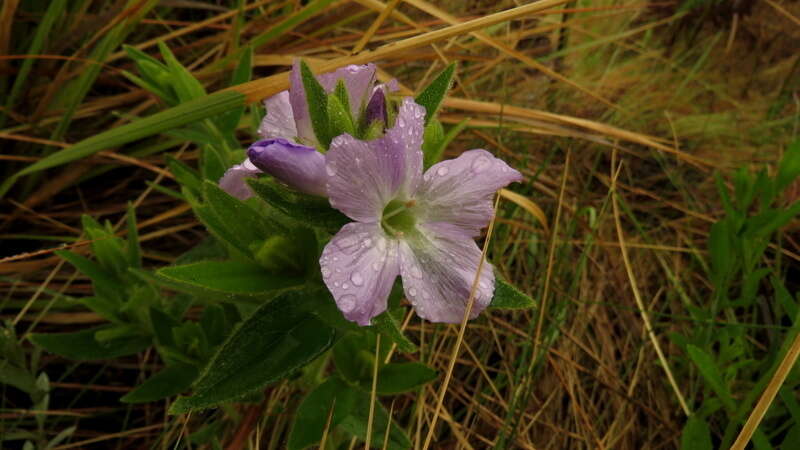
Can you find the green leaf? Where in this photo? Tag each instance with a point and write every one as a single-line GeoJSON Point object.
{"type": "Point", "coordinates": [431, 97]}
{"type": "Point", "coordinates": [107, 247]}
{"type": "Point", "coordinates": [185, 84]}
{"type": "Point", "coordinates": [708, 368]}
{"type": "Point", "coordinates": [132, 246]}
{"type": "Point", "coordinates": [105, 284]}
{"type": "Point", "coordinates": [276, 340]}
{"type": "Point", "coordinates": [186, 176]}
{"type": "Point", "coordinates": [312, 414]}
{"type": "Point", "coordinates": [83, 346]}
{"type": "Point", "coordinates": [387, 325]}
{"type": "Point", "coordinates": [317, 105]}
{"type": "Point", "coordinates": [789, 168]}
{"type": "Point", "coordinates": [341, 120]}
{"type": "Point", "coordinates": [243, 226]}
{"type": "Point", "coordinates": [353, 357]}
{"type": "Point", "coordinates": [189, 112]}
{"type": "Point", "coordinates": [396, 378]}
{"type": "Point", "coordinates": [308, 210]}
{"type": "Point", "coordinates": [356, 423]}
{"type": "Point", "coordinates": [170, 381]}
{"type": "Point", "coordinates": [507, 296]}
{"type": "Point", "coordinates": [696, 434]}
{"type": "Point", "coordinates": [17, 377]}
{"type": "Point", "coordinates": [228, 278]}
{"type": "Point", "coordinates": [433, 152]}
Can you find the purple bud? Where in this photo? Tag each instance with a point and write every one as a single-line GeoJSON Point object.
{"type": "Point", "coordinates": [298, 166]}
{"type": "Point", "coordinates": [376, 108]}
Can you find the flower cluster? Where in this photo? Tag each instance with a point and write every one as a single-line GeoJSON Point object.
{"type": "Point", "coordinates": [418, 225]}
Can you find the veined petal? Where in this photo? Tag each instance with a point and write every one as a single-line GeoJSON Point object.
{"type": "Point", "coordinates": [364, 176]}
{"type": "Point", "coordinates": [358, 79]}
{"type": "Point", "coordinates": [459, 191]}
{"type": "Point", "coordinates": [438, 266]}
{"type": "Point", "coordinates": [300, 167]}
{"type": "Point", "coordinates": [233, 182]}
{"type": "Point", "coordinates": [279, 120]}
{"type": "Point", "coordinates": [359, 266]}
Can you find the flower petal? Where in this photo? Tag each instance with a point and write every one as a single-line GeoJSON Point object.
{"type": "Point", "coordinates": [364, 176]}
{"type": "Point", "coordinates": [300, 167]}
{"type": "Point", "coordinates": [459, 191]}
{"type": "Point", "coordinates": [438, 266]}
{"type": "Point", "coordinates": [358, 79]}
{"type": "Point", "coordinates": [279, 121]}
{"type": "Point", "coordinates": [233, 182]}
{"type": "Point", "coordinates": [359, 266]}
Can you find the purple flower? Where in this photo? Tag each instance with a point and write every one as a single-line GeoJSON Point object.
{"type": "Point", "coordinates": [405, 223]}
{"type": "Point", "coordinates": [300, 167]}
{"type": "Point", "coordinates": [287, 133]}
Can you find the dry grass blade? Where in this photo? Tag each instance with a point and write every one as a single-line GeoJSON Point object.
{"type": "Point", "coordinates": [373, 392]}
{"type": "Point", "coordinates": [635, 289]}
{"type": "Point", "coordinates": [768, 396]}
{"type": "Point", "coordinates": [385, 12]}
{"type": "Point", "coordinates": [457, 346]}
{"type": "Point", "coordinates": [528, 205]}
{"type": "Point", "coordinates": [327, 429]}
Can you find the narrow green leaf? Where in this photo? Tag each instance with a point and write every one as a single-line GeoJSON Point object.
{"type": "Point", "coordinates": [186, 176]}
{"type": "Point", "coordinates": [229, 278]}
{"type": "Point", "coordinates": [507, 296]}
{"type": "Point", "coordinates": [17, 377]}
{"type": "Point", "coordinates": [189, 112]}
{"type": "Point", "coordinates": [708, 368]}
{"type": "Point", "coordinates": [172, 380]}
{"type": "Point", "coordinates": [272, 343]}
{"type": "Point", "coordinates": [396, 378]}
{"type": "Point", "coordinates": [244, 69]}
{"type": "Point", "coordinates": [134, 252]}
{"type": "Point", "coordinates": [105, 283]}
{"type": "Point", "coordinates": [317, 101]}
{"type": "Point", "coordinates": [341, 120]}
{"type": "Point", "coordinates": [312, 414]}
{"type": "Point", "coordinates": [696, 434]}
{"type": "Point", "coordinates": [431, 97]}
{"type": "Point", "coordinates": [82, 345]}
{"type": "Point", "coordinates": [184, 83]}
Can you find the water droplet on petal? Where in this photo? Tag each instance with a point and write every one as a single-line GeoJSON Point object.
{"type": "Point", "coordinates": [326, 272]}
{"type": "Point", "coordinates": [412, 292]}
{"type": "Point", "coordinates": [347, 303]}
{"type": "Point", "coordinates": [442, 171]}
{"type": "Point", "coordinates": [357, 279]}
{"type": "Point", "coordinates": [345, 286]}
{"type": "Point", "coordinates": [330, 169]}
{"type": "Point", "coordinates": [415, 272]}
{"type": "Point", "coordinates": [480, 163]}
{"type": "Point", "coordinates": [367, 243]}
{"type": "Point", "coordinates": [376, 266]}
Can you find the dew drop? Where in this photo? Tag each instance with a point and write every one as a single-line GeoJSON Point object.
{"type": "Point", "coordinates": [480, 163]}
{"type": "Point", "coordinates": [442, 171]}
{"type": "Point", "coordinates": [412, 292]}
{"type": "Point", "coordinates": [415, 272]}
{"type": "Point", "coordinates": [326, 272]}
{"type": "Point", "coordinates": [367, 243]}
{"type": "Point", "coordinates": [347, 303]}
{"type": "Point", "coordinates": [330, 169]}
{"type": "Point", "coordinates": [357, 279]}
{"type": "Point", "coordinates": [345, 286]}
{"type": "Point", "coordinates": [376, 266]}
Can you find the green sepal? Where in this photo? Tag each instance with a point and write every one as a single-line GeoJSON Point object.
{"type": "Point", "coordinates": [431, 97]}
{"type": "Point", "coordinates": [317, 106]}
{"type": "Point", "coordinates": [83, 346]}
{"type": "Point", "coordinates": [507, 296]}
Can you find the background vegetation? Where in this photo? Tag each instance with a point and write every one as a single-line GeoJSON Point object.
{"type": "Point", "coordinates": [656, 227]}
